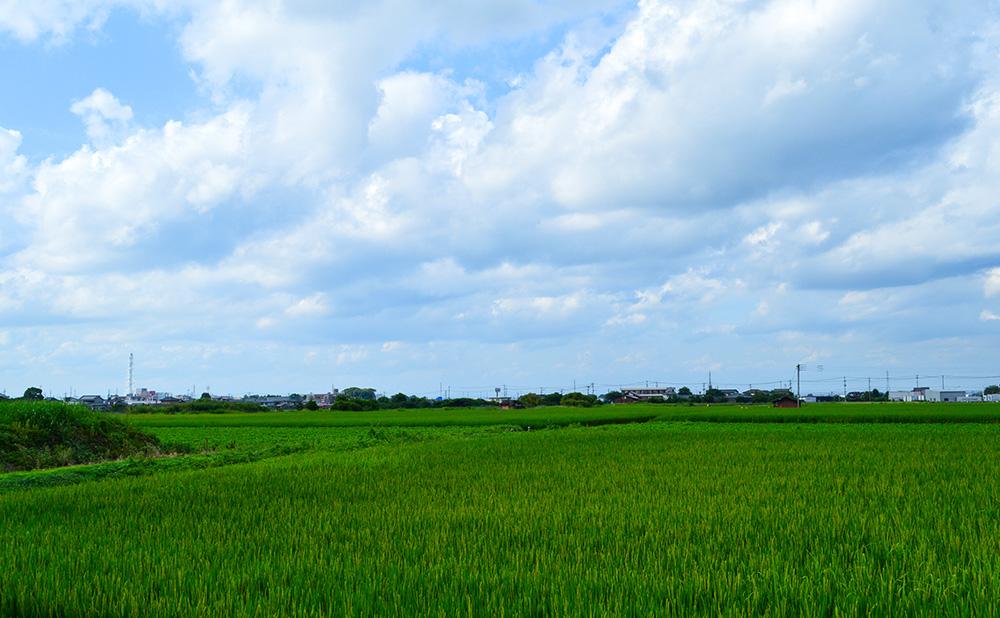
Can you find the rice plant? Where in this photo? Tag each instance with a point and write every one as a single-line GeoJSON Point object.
{"type": "Point", "coordinates": [644, 519]}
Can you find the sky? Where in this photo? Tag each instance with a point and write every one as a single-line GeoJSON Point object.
{"type": "Point", "coordinates": [276, 196]}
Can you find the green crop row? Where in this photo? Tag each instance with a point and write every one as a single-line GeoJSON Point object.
{"type": "Point", "coordinates": [644, 519]}
{"type": "Point", "coordinates": [609, 414]}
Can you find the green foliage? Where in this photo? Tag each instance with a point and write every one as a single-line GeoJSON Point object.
{"type": "Point", "coordinates": [530, 400]}
{"type": "Point", "coordinates": [684, 391]}
{"type": "Point", "coordinates": [310, 405]}
{"type": "Point", "coordinates": [992, 390]}
{"type": "Point", "coordinates": [201, 406]}
{"type": "Point", "coordinates": [578, 400]}
{"type": "Point", "coordinates": [205, 396]}
{"type": "Point", "coordinates": [552, 399]}
{"type": "Point", "coordinates": [44, 434]}
{"type": "Point", "coordinates": [353, 392]}
{"type": "Point", "coordinates": [33, 393]}
{"type": "Point", "coordinates": [612, 396]}
{"type": "Point", "coordinates": [648, 519]}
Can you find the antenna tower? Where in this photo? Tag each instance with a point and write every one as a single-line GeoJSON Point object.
{"type": "Point", "coordinates": [131, 366]}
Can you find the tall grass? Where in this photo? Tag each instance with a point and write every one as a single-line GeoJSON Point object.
{"type": "Point", "coordinates": [40, 434]}
{"type": "Point", "coordinates": [649, 519]}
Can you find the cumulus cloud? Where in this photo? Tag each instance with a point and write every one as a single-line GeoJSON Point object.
{"type": "Point", "coordinates": [104, 116]}
{"type": "Point", "coordinates": [27, 20]}
{"type": "Point", "coordinates": [13, 166]}
{"type": "Point", "coordinates": [643, 125]}
{"type": "Point", "coordinates": [98, 206]}
{"type": "Point", "coordinates": [697, 170]}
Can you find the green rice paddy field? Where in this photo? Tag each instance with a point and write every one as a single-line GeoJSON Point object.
{"type": "Point", "coordinates": [630, 510]}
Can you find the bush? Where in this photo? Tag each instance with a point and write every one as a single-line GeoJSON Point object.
{"type": "Point", "coordinates": [578, 400]}
{"type": "Point", "coordinates": [202, 406]}
{"type": "Point", "coordinates": [45, 434]}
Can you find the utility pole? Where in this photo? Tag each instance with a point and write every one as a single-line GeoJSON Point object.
{"type": "Point", "coordinates": [942, 382]}
{"type": "Point", "coordinates": [131, 387]}
{"type": "Point", "coordinates": [886, 383]}
{"type": "Point", "coordinates": [798, 385]}
{"type": "Point", "coordinates": [845, 388]}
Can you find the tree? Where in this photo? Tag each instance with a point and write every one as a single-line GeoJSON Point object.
{"type": "Point", "coordinates": [354, 392]}
{"type": "Point", "coordinates": [992, 390]}
{"type": "Point", "coordinates": [205, 396]}
{"type": "Point", "coordinates": [611, 396]}
{"type": "Point", "coordinates": [311, 405]}
{"type": "Point", "coordinates": [552, 399]}
{"type": "Point", "coordinates": [714, 395]}
{"type": "Point", "coordinates": [33, 392]}
{"type": "Point", "coordinates": [530, 400]}
{"type": "Point", "coordinates": [684, 391]}
{"type": "Point", "coordinates": [578, 400]}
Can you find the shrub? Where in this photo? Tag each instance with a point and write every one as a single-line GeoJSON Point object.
{"type": "Point", "coordinates": [45, 434]}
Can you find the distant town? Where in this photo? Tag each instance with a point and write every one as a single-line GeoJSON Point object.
{"type": "Point", "coordinates": [357, 398]}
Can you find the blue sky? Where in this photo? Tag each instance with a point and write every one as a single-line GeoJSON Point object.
{"type": "Point", "coordinates": [265, 195]}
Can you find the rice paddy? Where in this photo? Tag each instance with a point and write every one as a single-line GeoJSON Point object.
{"type": "Point", "coordinates": [584, 517]}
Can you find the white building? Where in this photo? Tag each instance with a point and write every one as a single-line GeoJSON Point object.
{"type": "Point", "coordinates": [924, 393]}
{"type": "Point", "coordinates": [644, 394]}
{"type": "Point", "coordinates": [995, 398]}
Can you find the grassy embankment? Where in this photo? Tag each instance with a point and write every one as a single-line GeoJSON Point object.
{"type": "Point", "coordinates": [43, 434]}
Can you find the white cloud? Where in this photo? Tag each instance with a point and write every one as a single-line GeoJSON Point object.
{"type": "Point", "coordinates": [992, 285]}
{"type": "Point", "coordinates": [310, 307]}
{"type": "Point", "coordinates": [669, 117]}
{"type": "Point", "coordinates": [104, 116]}
{"type": "Point", "coordinates": [28, 20]}
{"type": "Point", "coordinates": [544, 307]}
{"type": "Point", "coordinates": [13, 167]}
{"type": "Point", "coordinates": [392, 346]}
{"type": "Point", "coordinates": [989, 316]}
{"type": "Point", "coordinates": [93, 207]}
{"type": "Point", "coordinates": [783, 89]}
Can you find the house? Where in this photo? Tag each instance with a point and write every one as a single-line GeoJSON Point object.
{"type": "Point", "coordinates": [731, 394]}
{"type": "Point", "coordinates": [645, 394]}
{"type": "Point", "coordinates": [786, 401]}
{"type": "Point", "coordinates": [95, 402]}
{"type": "Point", "coordinates": [994, 398]}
